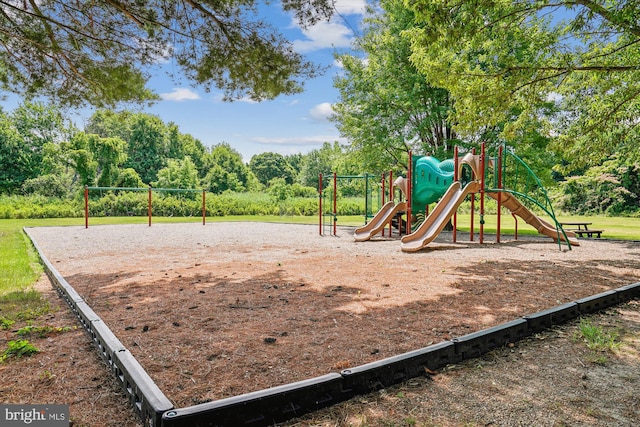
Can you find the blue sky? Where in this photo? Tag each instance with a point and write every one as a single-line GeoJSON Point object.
{"type": "Point", "coordinates": [286, 125]}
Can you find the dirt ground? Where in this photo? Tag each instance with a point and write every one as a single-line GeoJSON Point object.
{"type": "Point", "coordinates": [218, 310]}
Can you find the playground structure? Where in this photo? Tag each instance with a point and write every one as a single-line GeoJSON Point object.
{"type": "Point", "coordinates": [503, 177]}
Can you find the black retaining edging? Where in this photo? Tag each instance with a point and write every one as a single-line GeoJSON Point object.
{"type": "Point", "coordinates": [278, 404]}
{"type": "Point", "coordinates": [146, 398]}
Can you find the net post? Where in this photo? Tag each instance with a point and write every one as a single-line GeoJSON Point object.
{"type": "Point", "coordinates": [86, 206]}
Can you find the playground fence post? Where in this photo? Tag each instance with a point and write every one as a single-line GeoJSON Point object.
{"type": "Point", "coordinates": [335, 202]}
{"type": "Point", "coordinates": [86, 206]}
{"type": "Point", "coordinates": [320, 202]}
{"type": "Point", "coordinates": [204, 207]}
{"type": "Point", "coordinates": [149, 206]}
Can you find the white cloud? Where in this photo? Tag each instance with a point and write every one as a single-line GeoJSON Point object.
{"type": "Point", "coordinates": [350, 7]}
{"type": "Point", "coordinates": [296, 141]}
{"type": "Point", "coordinates": [324, 35]}
{"type": "Point", "coordinates": [180, 94]}
{"type": "Point", "coordinates": [336, 33]}
{"type": "Point", "coordinates": [321, 112]}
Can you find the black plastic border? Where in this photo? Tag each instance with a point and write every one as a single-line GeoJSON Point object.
{"type": "Point", "coordinates": [282, 403]}
{"type": "Point", "coordinates": [144, 395]}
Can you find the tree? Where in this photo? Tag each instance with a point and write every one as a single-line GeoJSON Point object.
{"type": "Point", "coordinates": [386, 106]}
{"type": "Point", "coordinates": [14, 157]}
{"type": "Point", "coordinates": [147, 146]}
{"type": "Point", "coordinates": [28, 141]}
{"type": "Point", "coordinates": [101, 52]}
{"type": "Point", "coordinates": [109, 154]}
{"type": "Point", "coordinates": [267, 166]}
{"type": "Point", "coordinates": [319, 161]}
{"type": "Point", "coordinates": [496, 57]}
{"type": "Point", "coordinates": [178, 174]}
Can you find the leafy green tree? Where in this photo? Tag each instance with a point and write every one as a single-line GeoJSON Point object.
{"type": "Point", "coordinates": [279, 189]}
{"type": "Point", "coordinates": [109, 123]}
{"type": "Point", "coordinates": [14, 157]}
{"type": "Point", "coordinates": [219, 180]}
{"type": "Point", "coordinates": [31, 134]}
{"type": "Point", "coordinates": [178, 174]}
{"type": "Point", "coordinates": [78, 155]}
{"type": "Point", "coordinates": [386, 106]}
{"type": "Point", "coordinates": [612, 188]}
{"type": "Point", "coordinates": [110, 154]}
{"type": "Point", "coordinates": [147, 146]}
{"type": "Point", "coordinates": [497, 57]}
{"type": "Point", "coordinates": [230, 160]}
{"type": "Point", "coordinates": [267, 166]}
{"type": "Point", "coordinates": [319, 161]}
{"type": "Point", "coordinates": [129, 178]}
{"type": "Point", "coordinates": [102, 52]}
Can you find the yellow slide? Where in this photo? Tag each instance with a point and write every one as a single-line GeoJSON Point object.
{"type": "Point", "coordinates": [437, 219]}
{"type": "Point", "coordinates": [377, 223]}
{"type": "Point", "coordinates": [510, 202]}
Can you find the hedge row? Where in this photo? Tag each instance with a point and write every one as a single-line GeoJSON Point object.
{"type": "Point", "coordinates": [178, 205]}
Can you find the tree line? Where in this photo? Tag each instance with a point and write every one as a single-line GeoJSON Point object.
{"type": "Point", "coordinates": [43, 152]}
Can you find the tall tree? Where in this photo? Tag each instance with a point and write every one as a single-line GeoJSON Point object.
{"type": "Point", "coordinates": [497, 56]}
{"type": "Point", "coordinates": [267, 166]}
{"type": "Point", "coordinates": [147, 146]}
{"type": "Point", "coordinates": [386, 105]}
{"type": "Point", "coordinates": [102, 52]}
{"type": "Point", "coordinates": [225, 169]}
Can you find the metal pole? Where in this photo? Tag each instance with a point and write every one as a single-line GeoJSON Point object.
{"type": "Point", "coordinates": [320, 202]}
{"type": "Point", "coordinates": [499, 166]}
{"type": "Point", "coordinates": [383, 198]}
{"type": "Point", "coordinates": [391, 198]}
{"type": "Point", "coordinates": [455, 179]}
{"type": "Point", "coordinates": [409, 192]}
{"type": "Point", "coordinates": [204, 207]}
{"type": "Point", "coordinates": [482, 166]}
{"type": "Point", "coordinates": [149, 207]}
{"type": "Point", "coordinates": [86, 207]}
{"type": "Point", "coordinates": [473, 202]}
{"type": "Point", "coordinates": [335, 201]}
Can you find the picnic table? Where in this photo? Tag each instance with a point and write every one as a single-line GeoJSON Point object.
{"type": "Point", "coordinates": [581, 228]}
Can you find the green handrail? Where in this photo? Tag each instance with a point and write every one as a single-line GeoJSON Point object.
{"type": "Point", "coordinates": [529, 187]}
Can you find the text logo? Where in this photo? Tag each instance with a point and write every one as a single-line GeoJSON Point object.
{"type": "Point", "coordinates": [34, 415]}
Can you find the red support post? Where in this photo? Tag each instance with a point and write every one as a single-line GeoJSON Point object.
{"type": "Point", "coordinates": [473, 207]}
{"type": "Point", "coordinates": [392, 199]}
{"type": "Point", "coordinates": [149, 207]}
{"type": "Point", "coordinates": [409, 191]}
{"type": "Point", "coordinates": [204, 207]}
{"type": "Point", "coordinates": [320, 202]}
{"type": "Point", "coordinates": [482, 173]}
{"type": "Point", "coordinates": [383, 198]}
{"type": "Point", "coordinates": [455, 179]}
{"type": "Point", "coordinates": [86, 207]}
{"type": "Point", "coordinates": [499, 166]}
